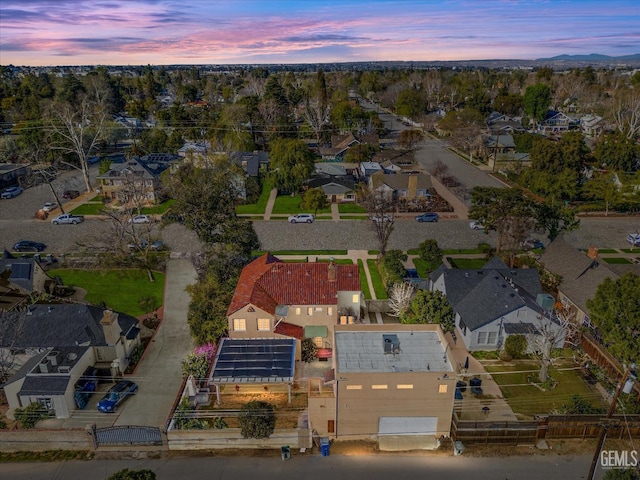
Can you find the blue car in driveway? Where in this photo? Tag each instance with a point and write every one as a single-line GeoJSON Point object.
{"type": "Point", "coordinates": [427, 217]}
{"type": "Point", "coordinates": [116, 395]}
{"type": "Point", "coordinates": [12, 192]}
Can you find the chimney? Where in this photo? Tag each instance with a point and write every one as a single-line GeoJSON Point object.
{"type": "Point", "coordinates": [412, 187]}
{"type": "Point", "coordinates": [110, 327]}
{"type": "Point", "coordinates": [332, 271]}
{"type": "Point", "coordinates": [592, 253]}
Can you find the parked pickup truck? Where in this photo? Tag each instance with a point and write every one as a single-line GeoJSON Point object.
{"type": "Point", "coordinates": [68, 218]}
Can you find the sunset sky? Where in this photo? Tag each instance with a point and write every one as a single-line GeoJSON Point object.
{"type": "Point", "coordinates": [140, 32]}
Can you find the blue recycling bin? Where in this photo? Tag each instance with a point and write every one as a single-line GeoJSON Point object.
{"type": "Point", "coordinates": [285, 452]}
{"type": "Point", "coordinates": [324, 446]}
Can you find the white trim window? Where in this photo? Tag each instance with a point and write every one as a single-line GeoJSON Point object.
{"type": "Point", "coordinates": [482, 338]}
{"type": "Point", "coordinates": [492, 338]}
{"type": "Point", "coordinates": [239, 325]}
{"type": "Point", "coordinates": [264, 325]}
{"type": "Point", "coordinates": [329, 310]}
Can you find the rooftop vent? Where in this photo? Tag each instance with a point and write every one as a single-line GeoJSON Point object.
{"type": "Point", "coordinates": [391, 344]}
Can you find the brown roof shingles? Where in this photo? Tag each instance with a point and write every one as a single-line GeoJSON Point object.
{"type": "Point", "coordinates": [267, 282]}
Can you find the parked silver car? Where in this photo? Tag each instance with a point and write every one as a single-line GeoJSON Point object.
{"type": "Point", "coordinates": [301, 218]}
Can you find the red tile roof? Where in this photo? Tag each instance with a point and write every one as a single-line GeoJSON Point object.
{"type": "Point", "coordinates": [267, 282]}
{"type": "Point", "coordinates": [289, 330]}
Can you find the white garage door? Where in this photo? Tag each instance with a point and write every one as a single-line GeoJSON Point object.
{"type": "Point", "coordinates": [407, 433]}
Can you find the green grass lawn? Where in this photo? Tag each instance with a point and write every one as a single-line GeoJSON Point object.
{"type": "Point", "coordinates": [88, 209]}
{"type": "Point", "coordinates": [120, 290]}
{"type": "Point", "coordinates": [160, 209]}
{"type": "Point", "coordinates": [617, 260]}
{"type": "Point", "coordinates": [291, 205]}
{"type": "Point", "coordinates": [364, 285]}
{"type": "Point", "coordinates": [376, 279]}
{"type": "Point", "coordinates": [607, 250]}
{"type": "Point", "coordinates": [467, 263]}
{"type": "Point", "coordinates": [351, 208]}
{"type": "Point", "coordinates": [423, 267]}
{"type": "Point", "coordinates": [260, 206]}
{"type": "Point", "coordinates": [526, 399]}
{"type": "Point", "coordinates": [353, 217]}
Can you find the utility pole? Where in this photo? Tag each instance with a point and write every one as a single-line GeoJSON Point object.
{"type": "Point", "coordinates": [605, 426]}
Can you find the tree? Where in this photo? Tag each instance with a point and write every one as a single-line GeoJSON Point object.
{"type": "Point", "coordinates": [77, 128]}
{"type": "Point", "coordinates": [400, 295]}
{"type": "Point", "coordinates": [625, 112]}
{"type": "Point", "coordinates": [430, 307]}
{"type": "Point", "coordinates": [555, 218]}
{"type": "Point", "coordinates": [393, 266]}
{"type": "Point", "coordinates": [515, 346]}
{"type": "Point", "coordinates": [317, 111]}
{"type": "Point", "coordinates": [314, 199]}
{"type": "Point", "coordinates": [410, 138]}
{"type": "Point", "coordinates": [257, 419]}
{"type": "Point", "coordinates": [464, 126]}
{"type": "Point", "coordinates": [291, 164]}
{"type": "Point", "coordinates": [410, 103]}
{"type": "Point", "coordinates": [430, 253]}
{"type": "Point", "coordinates": [196, 365]}
{"type": "Point", "coordinates": [602, 187]}
{"type": "Point", "coordinates": [536, 101]}
{"type": "Point", "coordinates": [309, 350]}
{"type": "Point", "coordinates": [615, 310]}
{"type": "Point", "coordinates": [380, 209]}
{"type": "Point", "coordinates": [620, 474]}
{"type": "Point", "coordinates": [550, 335]}
{"type": "Point", "coordinates": [504, 210]}
{"type": "Point", "coordinates": [126, 474]}
{"type": "Point", "coordinates": [618, 152]}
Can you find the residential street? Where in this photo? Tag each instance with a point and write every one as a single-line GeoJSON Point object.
{"type": "Point", "coordinates": [316, 467]}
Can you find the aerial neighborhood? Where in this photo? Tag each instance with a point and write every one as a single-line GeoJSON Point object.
{"type": "Point", "coordinates": [297, 259]}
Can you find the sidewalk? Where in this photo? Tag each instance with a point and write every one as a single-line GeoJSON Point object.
{"type": "Point", "coordinates": [270, 203]}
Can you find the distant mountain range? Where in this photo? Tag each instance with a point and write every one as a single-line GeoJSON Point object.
{"type": "Point", "coordinates": [592, 57]}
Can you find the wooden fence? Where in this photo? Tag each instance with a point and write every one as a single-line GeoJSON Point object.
{"type": "Point", "coordinates": [545, 427]}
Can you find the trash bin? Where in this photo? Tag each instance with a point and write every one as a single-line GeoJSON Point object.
{"type": "Point", "coordinates": [324, 446]}
{"type": "Point", "coordinates": [285, 452]}
{"type": "Point", "coordinates": [458, 448]}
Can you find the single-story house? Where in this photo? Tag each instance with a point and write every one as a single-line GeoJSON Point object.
{"type": "Point", "coordinates": [337, 189]}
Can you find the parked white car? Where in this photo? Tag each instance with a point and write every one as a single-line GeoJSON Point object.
{"type": "Point", "coordinates": [49, 207]}
{"type": "Point", "coordinates": [301, 218]}
{"type": "Point", "coordinates": [476, 226]}
{"type": "Point", "coordinates": [634, 239]}
{"type": "Point", "coordinates": [68, 218]}
{"type": "Point", "coordinates": [140, 219]}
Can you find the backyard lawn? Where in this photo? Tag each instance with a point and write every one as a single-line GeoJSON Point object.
{"type": "Point", "coordinates": [120, 290]}
{"type": "Point", "coordinates": [529, 400]}
{"type": "Point", "coordinates": [376, 279]}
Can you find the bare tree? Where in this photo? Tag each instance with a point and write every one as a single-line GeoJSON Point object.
{"type": "Point", "coordinates": [78, 130]}
{"type": "Point", "coordinates": [11, 327]}
{"type": "Point", "coordinates": [625, 112]}
{"type": "Point", "coordinates": [380, 208]}
{"type": "Point", "coordinates": [400, 298]}
{"type": "Point", "coordinates": [551, 334]}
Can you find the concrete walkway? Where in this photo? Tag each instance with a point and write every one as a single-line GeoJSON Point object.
{"type": "Point", "coordinates": [269, 207]}
{"type": "Point", "coordinates": [335, 212]}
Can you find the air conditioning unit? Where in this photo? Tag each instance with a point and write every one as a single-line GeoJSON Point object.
{"type": "Point", "coordinates": [54, 357]}
{"type": "Point", "coordinates": [64, 369]}
{"type": "Point", "coordinates": [45, 366]}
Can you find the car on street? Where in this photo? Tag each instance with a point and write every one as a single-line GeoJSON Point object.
{"type": "Point", "coordinates": [140, 219]}
{"type": "Point", "coordinates": [49, 206]}
{"type": "Point", "coordinates": [68, 218]}
{"type": "Point", "coordinates": [12, 192]}
{"type": "Point", "coordinates": [634, 239]}
{"type": "Point", "coordinates": [427, 217]}
{"type": "Point", "coordinates": [70, 194]}
{"type": "Point", "coordinates": [28, 246]}
{"type": "Point", "coordinates": [381, 218]}
{"type": "Point", "coordinates": [476, 226]}
{"type": "Point", "coordinates": [301, 218]}
{"type": "Point", "coordinates": [532, 244]}
{"type": "Point", "coordinates": [116, 395]}
{"type": "Point", "coordinates": [158, 245]}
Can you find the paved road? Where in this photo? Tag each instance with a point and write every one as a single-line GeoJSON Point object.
{"type": "Point", "coordinates": [316, 467]}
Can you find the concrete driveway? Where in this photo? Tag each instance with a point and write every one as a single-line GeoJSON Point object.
{"type": "Point", "coordinates": [159, 373]}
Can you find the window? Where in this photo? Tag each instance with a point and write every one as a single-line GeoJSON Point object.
{"type": "Point", "coordinates": [378, 387]}
{"type": "Point", "coordinates": [297, 310]}
{"type": "Point", "coordinates": [482, 337]}
{"type": "Point", "coordinates": [442, 388]}
{"type": "Point", "coordinates": [46, 403]}
{"type": "Point", "coordinates": [309, 310]}
{"type": "Point", "coordinates": [264, 324]}
{"type": "Point", "coordinates": [354, 387]}
{"type": "Point", "coordinates": [356, 298]}
{"type": "Point", "coordinates": [493, 336]}
{"type": "Point", "coordinates": [404, 386]}
{"type": "Point", "coordinates": [318, 342]}
{"type": "Point", "coordinates": [318, 309]}
{"type": "Point", "coordinates": [329, 310]}
{"type": "Point", "coordinates": [239, 324]}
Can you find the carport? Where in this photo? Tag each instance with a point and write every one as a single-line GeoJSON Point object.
{"type": "Point", "coordinates": [407, 433]}
{"type": "Point", "coordinates": [254, 361]}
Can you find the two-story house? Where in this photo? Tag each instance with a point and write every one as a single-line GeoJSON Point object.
{"type": "Point", "coordinates": [274, 299]}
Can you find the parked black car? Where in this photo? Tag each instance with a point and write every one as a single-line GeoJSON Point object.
{"type": "Point", "coordinates": [29, 246]}
{"type": "Point", "coordinates": [69, 194]}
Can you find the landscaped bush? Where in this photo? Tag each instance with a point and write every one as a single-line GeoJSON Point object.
{"type": "Point", "coordinates": [515, 346]}
{"type": "Point", "coordinates": [309, 350]}
{"type": "Point", "coordinates": [126, 474]}
{"type": "Point", "coordinates": [257, 419]}
{"type": "Point", "coordinates": [31, 414]}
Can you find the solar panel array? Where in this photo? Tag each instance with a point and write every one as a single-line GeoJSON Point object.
{"type": "Point", "coordinates": [255, 361]}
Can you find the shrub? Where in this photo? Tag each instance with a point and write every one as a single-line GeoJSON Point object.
{"type": "Point", "coordinates": [257, 419]}
{"type": "Point", "coordinates": [430, 252]}
{"type": "Point", "coordinates": [515, 346]}
{"type": "Point", "coordinates": [126, 474]}
{"type": "Point", "coordinates": [393, 267]}
{"type": "Point", "coordinates": [196, 365]}
{"type": "Point", "coordinates": [31, 414]}
{"type": "Point", "coordinates": [309, 350]}
{"type": "Point", "coordinates": [183, 418]}
{"type": "Point", "coordinates": [579, 406]}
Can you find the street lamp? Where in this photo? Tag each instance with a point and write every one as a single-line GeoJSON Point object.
{"type": "Point", "coordinates": [626, 386]}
